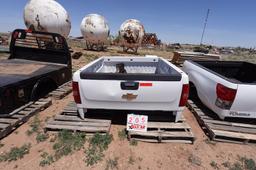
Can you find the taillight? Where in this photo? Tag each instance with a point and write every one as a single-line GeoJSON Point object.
{"type": "Point", "coordinates": [184, 95]}
{"type": "Point", "coordinates": [28, 31]}
{"type": "Point", "coordinates": [15, 35]}
{"type": "Point", "coordinates": [60, 40]}
{"type": "Point", "coordinates": [76, 92]}
{"type": "Point", "coordinates": [225, 96]}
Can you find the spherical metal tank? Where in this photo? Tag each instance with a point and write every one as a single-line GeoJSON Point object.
{"type": "Point", "coordinates": [47, 16]}
{"type": "Point", "coordinates": [131, 33]}
{"type": "Point", "coordinates": [95, 29]}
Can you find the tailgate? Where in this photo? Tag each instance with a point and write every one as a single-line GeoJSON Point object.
{"type": "Point", "coordinates": [132, 91]}
{"type": "Point", "coordinates": [244, 104]}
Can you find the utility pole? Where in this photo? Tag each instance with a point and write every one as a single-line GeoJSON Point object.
{"type": "Point", "coordinates": [205, 23]}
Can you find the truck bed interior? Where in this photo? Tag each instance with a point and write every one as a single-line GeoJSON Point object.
{"type": "Point", "coordinates": [129, 67]}
{"type": "Point", "coordinates": [236, 71]}
{"type": "Point", "coordinates": [116, 67]}
{"type": "Point", "coordinates": [13, 67]}
{"type": "Point", "coordinates": [150, 66]}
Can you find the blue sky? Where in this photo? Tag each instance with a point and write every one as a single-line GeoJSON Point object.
{"type": "Point", "coordinates": [231, 23]}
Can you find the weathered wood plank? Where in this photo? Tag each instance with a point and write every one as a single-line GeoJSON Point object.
{"type": "Point", "coordinates": [21, 108]}
{"type": "Point", "coordinates": [21, 117]}
{"type": "Point", "coordinates": [218, 122]}
{"type": "Point", "coordinates": [163, 141]}
{"type": "Point", "coordinates": [78, 123]}
{"type": "Point", "coordinates": [29, 109]}
{"type": "Point", "coordinates": [224, 131]}
{"type": "Point", "coordinates": [234, 134]}
{"type": "Point", "coordinates": [18, 116]}
{"type": "Point", "coordinates": [168, 125]}
{"type": "Point", "coordinates": [61, 91]}
{"type": "Point", "coordinates": [70, 120]}
{"type": "Point", "coordinates": [162, 134]}
{"type": "Point", "coordinates": [76, 118]}
{"type": "Point", "coordinates": [231, 140]}
{"type": "Point", "coordinates": [232, 128]}
{"type": "Point", "coordinates": [7, 120]}
{"type": "Point", "coordinates": [78, 128]}
{"type": "Point", "coordinates": [73, 108]}
{"type": "Point", "coordinates": [74, 112]}
{"type": "Point", "coordinates": [4, 125]}
{"type": "Point", "coordinates": [43, 100]}
{"type": "Point", "coordinates": [23, 112]}
{"type": "Point", "coordinates": [205, 117]}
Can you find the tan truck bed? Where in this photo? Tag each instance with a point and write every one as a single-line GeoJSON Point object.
{"type": "Point", "coordinates": [24, 69]}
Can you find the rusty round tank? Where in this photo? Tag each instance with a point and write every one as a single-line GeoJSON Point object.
{"type": "Point", "coordinates": [47, 16]}
{"type": "Point", "coordinates": [131, 33]}
{"type": "Point", "coordinates": [95, 31]}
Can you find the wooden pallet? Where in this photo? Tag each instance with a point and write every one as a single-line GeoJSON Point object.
{"type": "Point", "coordinates": [179, 57]}
{"type": "Point", "coordinates": [164, 132]}
{"type": "Point", "coordinates": [21, 115]}
{"type": "Point", "coordinates": [62, 91]}
{"type": "Point", "coordinates": [219, 130]}
{"type": "Point", "coordinates": [69, 120]}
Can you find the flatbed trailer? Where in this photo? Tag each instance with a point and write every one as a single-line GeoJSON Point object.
{"type": "Point", "coordinates": [38, 63]}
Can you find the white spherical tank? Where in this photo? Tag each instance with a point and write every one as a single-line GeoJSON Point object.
{"type": "Point", "coordinates": [131, 34]}
{"type": "Point", "coordinates": [47, 16]}
{"type": "Point", "coordinates": [95, 29]}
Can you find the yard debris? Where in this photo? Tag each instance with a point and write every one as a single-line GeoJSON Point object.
{"type": "Point", "coordinates": [180, 56]}
{"type": "Point", "coordinates": [77, 55]}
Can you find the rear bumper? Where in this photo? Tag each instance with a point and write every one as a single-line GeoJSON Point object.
{"type": "Point", "coordinates": [147, 106]}
{"type": "Point", "coordinates": [133, 109]}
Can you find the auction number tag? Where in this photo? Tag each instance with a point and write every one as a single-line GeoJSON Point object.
{"type": "Point", "coordinates": [137, 123]}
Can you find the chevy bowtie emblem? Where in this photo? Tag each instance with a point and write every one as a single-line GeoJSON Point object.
{"type": "Point", "coordinates": [129, 96]}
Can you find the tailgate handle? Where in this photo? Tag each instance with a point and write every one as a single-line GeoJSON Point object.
{"type": "Point", "coordinates": [129, 85]}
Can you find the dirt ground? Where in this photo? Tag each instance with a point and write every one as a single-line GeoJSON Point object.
{"type": "Point", "coordinates": [151, 156]}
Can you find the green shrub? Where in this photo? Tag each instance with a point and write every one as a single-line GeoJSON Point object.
{"type": "Point", "coordinates": [67, 142]}
{"type": "Point", "coordinates": [15, 153]}
{"type": "Point", "coordinates": [98, 144]}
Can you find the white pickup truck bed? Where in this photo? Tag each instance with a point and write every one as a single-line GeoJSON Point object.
{"type": "Point", "coordinates": [226, 87]}
{"type": "Point", "coordinates": [148, 84]}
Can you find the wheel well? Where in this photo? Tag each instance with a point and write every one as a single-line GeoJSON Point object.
{"type": "Point", "coordinates": [42, 88]}
{"type": "Point", "coordinates": [193, 91]}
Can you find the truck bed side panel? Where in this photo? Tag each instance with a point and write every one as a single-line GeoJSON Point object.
{"type": "Point", "coordinates": [205, 83]}
{"type": "Point", "coordinates": [245, 101]}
